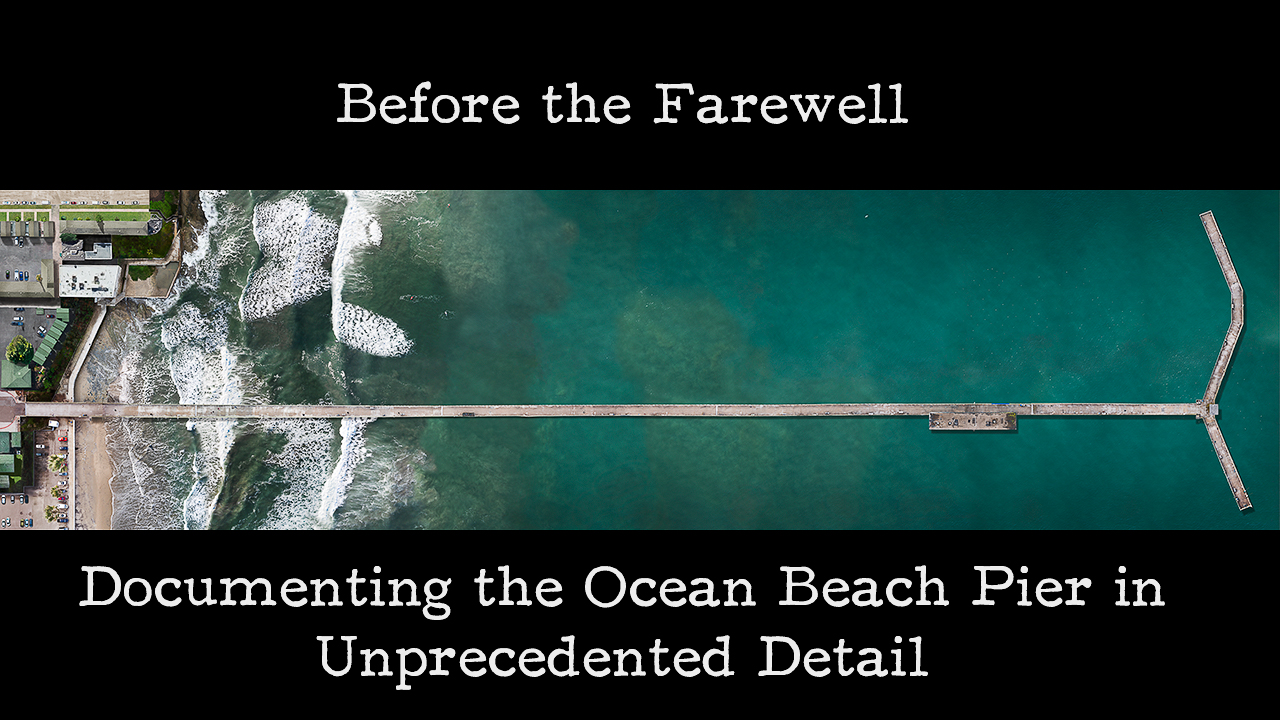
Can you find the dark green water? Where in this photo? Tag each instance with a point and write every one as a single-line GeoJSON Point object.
{"type": "Point", "coordinates": [779, 297]}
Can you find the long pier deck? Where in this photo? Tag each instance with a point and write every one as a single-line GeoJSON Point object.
{"type": "Point", "coordinates": [111, 410]}
{"type": "Point", "coordinates": [943, 416]}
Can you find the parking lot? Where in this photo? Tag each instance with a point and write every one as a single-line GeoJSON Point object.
{"type": "Point", "coordinates": [25, 254]}
{"type": "Point", "coordinates": [14, 512]}
{"type": "Point", "coordinates": [39, 495]}
{"type": "Point", "coordinates": [33, 318]}
{"type": "Point", "coordinates": [52, 197]}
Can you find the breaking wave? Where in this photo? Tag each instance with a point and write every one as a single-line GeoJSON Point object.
{"type": "Point", "coordinates": [335, 488]}
{"type": "Point", "coordinates": [296, 242]}
{"type": "Point", "coordinates": [353, 325]}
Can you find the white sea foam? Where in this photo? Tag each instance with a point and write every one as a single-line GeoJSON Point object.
{"type": "Point", "coordinates": [140, 495]}
{"type": "Point", "coordinates": [383, 481]}
{"type": "Point", "coordinates": [143, 457]}
{"type": "Point", "coordinates": [296, 241]}
{"type": "Point", "coordinates": [305, 461]}
{"type": "Point", "coordinates": [353, 325]}
{"type": "Point", "coordinates": [335, 488]}
{"type": "Point", "coordinates": [205, 368]}
{"type": "Point", "coordinates": [387, 197]}
{"type": "Point", "coordinates": [219, 244]}
{"type": "Point", "coordinates": [216, 436]}
{"type": "Point", "coordinates": [183, 349]}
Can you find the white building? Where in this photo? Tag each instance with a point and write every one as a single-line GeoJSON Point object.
{"type": "Point", "coordinates": [95, 281]}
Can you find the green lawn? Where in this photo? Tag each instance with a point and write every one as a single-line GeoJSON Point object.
{"type": "Point", "coordinates": [141, 272]}
{"type": "Point", "coordinates": [166, 205]}
{"type": "Point", "coordinates": [145, 246]}
{"type": "Point", "coordinates": [108, 215]}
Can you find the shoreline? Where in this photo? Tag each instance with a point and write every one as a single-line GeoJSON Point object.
{"type": "Point", "coordinates": [94, 471]}
{"type": "Point", "coordinates": [94, 468]}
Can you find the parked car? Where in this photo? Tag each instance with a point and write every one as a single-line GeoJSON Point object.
{"type": "Point", "coordinates": [2, 500]}
{"type": "Point", "coordinates": [62, 482]}
{"type": "Point", "coordinates": [21, 309]}
{"type": "Point", "coordinates": [62, 520]}
{"type": "Point", "coordinates": [64, 448]}
{"type": "Point", "coordinates": [62, 506]}
{"type": "Point", "coordinates": [40, 446]}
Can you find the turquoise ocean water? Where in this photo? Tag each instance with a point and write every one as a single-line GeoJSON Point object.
{"type": "Point", "coordinates": [695, 296]}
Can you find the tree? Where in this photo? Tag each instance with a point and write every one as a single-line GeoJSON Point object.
{"type": "Point", "coordinates": [19, 351]}
{"type": "Point", "coordinates": [69, 238]}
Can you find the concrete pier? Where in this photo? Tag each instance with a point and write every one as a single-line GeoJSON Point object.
{"type": "Point", "coordinates": [1228, 350]}
{"type": "Point", "coordinates": [184, 412]}
{"type": "Point", "coordinates": [942, 416]}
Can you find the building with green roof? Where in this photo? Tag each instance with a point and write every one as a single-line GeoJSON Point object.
{"type": "Point", "coordinates": [14, 376]}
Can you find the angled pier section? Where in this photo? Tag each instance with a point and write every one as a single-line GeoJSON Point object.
{"type": "Point", "coordinates": [1210, 399]}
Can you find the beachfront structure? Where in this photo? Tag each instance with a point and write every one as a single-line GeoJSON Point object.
{"type": "Point", "coordinates": [10, 446]}
{"type": "Point", "coordinates": [95, 281]}
{"type": "Point", "coordinates": [50, 339]}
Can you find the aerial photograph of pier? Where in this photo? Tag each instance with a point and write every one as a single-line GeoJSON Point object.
{"type": "Point", "coordinates": [312, 359]}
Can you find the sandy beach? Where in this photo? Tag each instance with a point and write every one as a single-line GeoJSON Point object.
{"type": "Point", "coordinates": [93, 476]}
{"type": "Point", "coordinates": [93, 467]}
